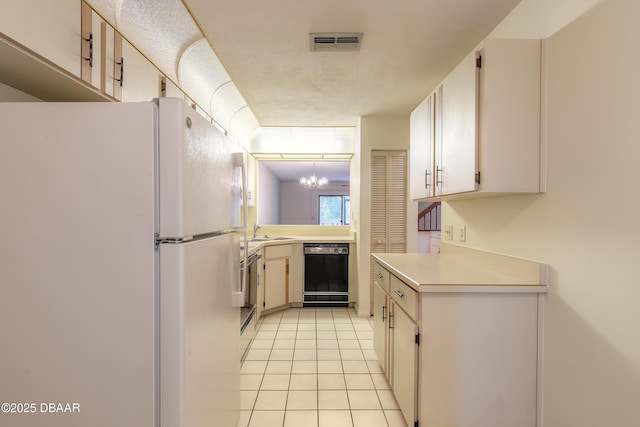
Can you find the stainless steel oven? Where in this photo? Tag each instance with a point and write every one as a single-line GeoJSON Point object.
{"type": "Point", "coordinates": [326, 274]}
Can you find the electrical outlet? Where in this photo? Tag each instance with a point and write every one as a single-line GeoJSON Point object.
{"type": "Point", "coordinates": [448, 232]}
{"type": "Point", "coordinates": [462, 236]}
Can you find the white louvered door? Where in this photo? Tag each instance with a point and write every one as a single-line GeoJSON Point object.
{"type": "Point", "coordinates": [388, 204]}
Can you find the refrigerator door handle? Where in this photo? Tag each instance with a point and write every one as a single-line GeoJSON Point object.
{"type": "Point", "coordinates": [238, 161]}
{"type": "Point", "coordinates": [159, 239]}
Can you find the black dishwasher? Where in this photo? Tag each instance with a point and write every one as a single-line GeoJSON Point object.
{"type": "Point", "coordinates": [326, 275]}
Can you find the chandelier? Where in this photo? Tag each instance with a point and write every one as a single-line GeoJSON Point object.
{"type": "Point", "coordinates": [313, 181]}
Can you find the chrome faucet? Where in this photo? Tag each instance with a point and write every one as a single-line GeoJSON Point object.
{"type": "Point", "coordinates": [256, 227]}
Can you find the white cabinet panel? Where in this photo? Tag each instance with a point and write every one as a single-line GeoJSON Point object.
{"type": "Point", "coordinates": [459, 143]}
{"type": "Point", "coordinates": [276, 275]}
{"type": "Point", "coordinates": [486, 125]}
{"type": "Point", "coordinates": [380, 325]}
{"type": "Point", "coordinates": [141, 77]}
{"type": "Point", "coordinates": [296, 273]}
{"type": "Point", "coordinates": [405, 363]}
{"type": "Point", "coordinates": [460, 358]}
{"type": "Point", "coordinates": [275, 283]}
{"type": "Point", "coordinates": [509, 116]}
{"type": "Point", "coordinates": [422, 150]}
{"type": "Point", "coordinates": [479, 359]}
{"type": "Point", "coordinates": [394, 340]}
{"type": "Point", "coordinates": [404, 296]}
{"type": "Point", "coordinates": [49, 28]}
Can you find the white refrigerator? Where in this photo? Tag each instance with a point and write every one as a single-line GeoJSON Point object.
{"type": "Point", "coordinates": [119, 267]}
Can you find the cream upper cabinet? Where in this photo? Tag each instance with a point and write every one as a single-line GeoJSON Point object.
{"type": "Point", "coordinates": [486, 124]}
{"type": "Point", "coordinates": [437, 157]}
{"type": "Point", "coordinates": [422, 150]}
{"type": "Point", "coordinates": [49, 28]}
{"type": "Point", "coordinates": [509, 116]}
{"type": "Point", "coordinates": [112, 65]}
{"type": "Point", "coordinates": [456, 172]}
{"type": "Point", "coordinates": [491, 120]}
{"type": "Point", "coordinates": [140, 78]}
{"type": "Point", "coordinates": [98, 51]}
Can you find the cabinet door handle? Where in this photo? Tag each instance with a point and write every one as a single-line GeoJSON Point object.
{"type": "Point", "coordinates": [390, 317]}
{"type": "Point", "coordinates": [90, 58]}
{"type": "Point", "coordinates": [438, 173]}
{"type": "Point", "coordinates": [427, 174]}
{"type": "Point", "coordinates": [121, 64]}
{"type": "Point", "coordinates": [397, 292]}
{"type": "Point", "coordinates": [379, 275]}
{"type": "Point", "coordinates": [383, 308]}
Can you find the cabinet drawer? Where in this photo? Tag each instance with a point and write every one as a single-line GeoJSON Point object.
{"type": "Point", "coordinates": [278, 251]}
{"type": "Point", "coordinates": [404, 295]}
{"type": "Point", "coordinates": [381, 276]}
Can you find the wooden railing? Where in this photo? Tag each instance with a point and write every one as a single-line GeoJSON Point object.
{"type": "Point", "coordinates": [429, 218]}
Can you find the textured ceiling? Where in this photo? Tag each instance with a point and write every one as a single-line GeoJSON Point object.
{"type": "Point", "coordinates": [408, 47]}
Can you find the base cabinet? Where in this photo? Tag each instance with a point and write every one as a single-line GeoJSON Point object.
{"type": "Point", "coordinates": [276, 276]}
{"type": "Point", "coordinates": [276, 272]}
{"type": "Point", "coordinates": [459, 358]}
{"type": "Point", "coordinates": [395, 340]}
{"type": "Point", "coordinates": [380, 326]}
{"type": "Point", "coordinates": [479, 359]}
{"type": "Point", "coordinates": [404, 362]}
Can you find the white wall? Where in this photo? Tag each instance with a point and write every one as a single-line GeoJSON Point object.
{"type": "Point", "coordinates": [377, 133]}
{"type": "Point", "coordinates": [268, 196]}
{"type": "Point", "coordinates": [300, 206]}
{"type": "Point", "coordinates": [586, 225]}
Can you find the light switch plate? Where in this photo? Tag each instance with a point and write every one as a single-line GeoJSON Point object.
{"type": "Point", "coordinates": [462, 236]}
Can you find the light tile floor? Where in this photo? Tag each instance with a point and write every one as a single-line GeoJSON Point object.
{"type": "Point", "coordinates": [315, 367]}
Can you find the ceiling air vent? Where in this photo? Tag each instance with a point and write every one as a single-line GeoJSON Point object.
{"type": "Point", "coordinates": [335, 41]}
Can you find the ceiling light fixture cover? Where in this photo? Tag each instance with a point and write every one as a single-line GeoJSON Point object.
{"type": "Point", "coordinates": [335, 41]}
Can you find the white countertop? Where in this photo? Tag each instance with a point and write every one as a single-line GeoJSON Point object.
{"type": "Point", "coordinates": [466, 271]}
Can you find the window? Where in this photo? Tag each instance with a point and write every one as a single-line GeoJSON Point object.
{"type": "Point", "coordinates": [334, 210]}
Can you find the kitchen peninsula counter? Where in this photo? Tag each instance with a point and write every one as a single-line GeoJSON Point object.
{"type": "Point", "coordinates": [461, 329]}
{"type": "Point", "coordinates": [459, 269]}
